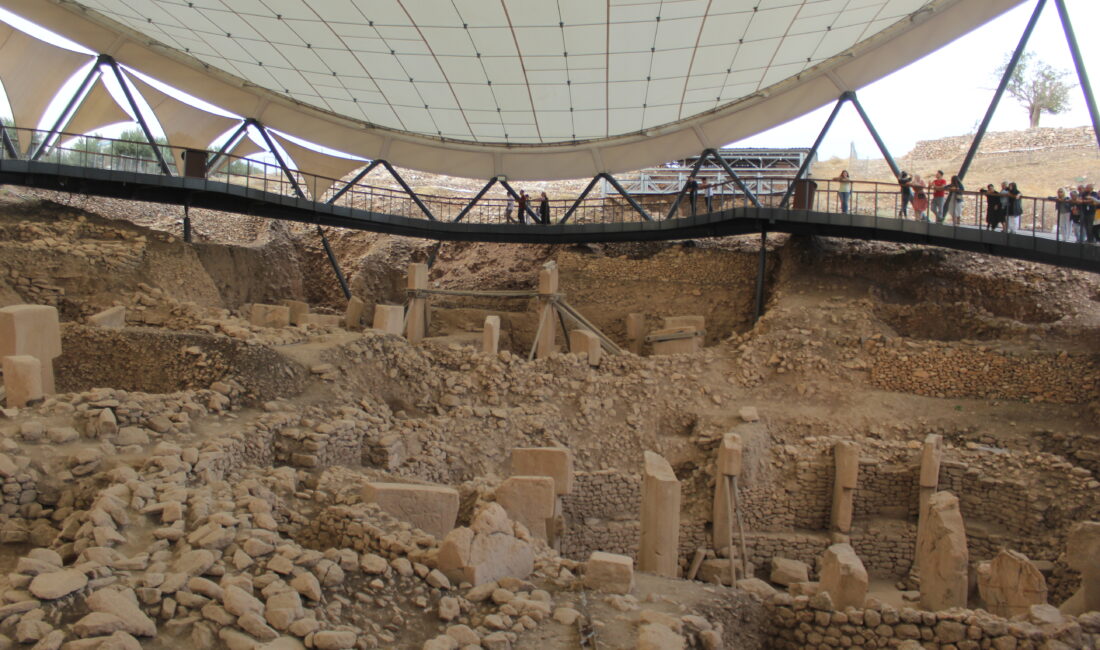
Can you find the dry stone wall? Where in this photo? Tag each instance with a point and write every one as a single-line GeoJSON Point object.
{"type": "Point", "coordinates": [1005, 142]}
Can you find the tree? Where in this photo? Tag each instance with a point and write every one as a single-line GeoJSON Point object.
{"type": "Point", "coordinates": [1037, 86]}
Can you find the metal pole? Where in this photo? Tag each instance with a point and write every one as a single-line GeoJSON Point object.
{"type": "Point", "coordinates": [577, 203]}
{"type": "Point", "coordinates": [1082, 75]}
{"type": "Point", "coordinates": [353, 182]}
{"type": "Point", "coordinates": [227, 146]}
{"type": "Point", "coordinates": [282, 165]}
{"type": "Point", "coordinates": [813, 150]}
{"type": "Point", "coordinates": [629, 199]}
{"type": "Point", "coordinates": [1009, 70]}
{"type": "Point", "coordinates": [138, 116]}
{"type": "Point", "coordinates": [736, 179]}
{"type": "Point", "coordinates": [473, 201]}
{"type": "Point", "coordinates": [415, 197]}
{"type": "Point", "coordinates": [9, 146]}
{"type": "Point", "coordinates": [187, 221]}
{"type": "Point", "coordinates": [683, 190]}
{"type": "Point", "coordinates": [760, 271]}
{"type": "Point", "coordinates": [335, 266]}
{"type": "Point", "coordinates": [63, 119]}
{"type": "Point", "coordinates": [874, 134]}
{"type": "Point", "coordinates": [527, 208]}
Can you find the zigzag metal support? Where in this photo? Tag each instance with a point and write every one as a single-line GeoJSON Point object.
{"type": "Point", "coordinates": [736, 179]}
{"type": "Point", "coordinates": [473, 201]}
{"type": "Point", "coordinates": [227, 146]}
{"type": "Point", "coordinates": [874, 134]}
{"type": "Point", "coordinates": [408, 190]}
{"type": "Point", "coordinates": [577, 203]}
{"type": "Point", "coordinates": [9, 146]}
{"type": "Point", "coordinates": [526, 209]}
{"type": "Point", "coordinates": [683, 190]}
{"type": "Point", "coordinates": [626, 195]}
{"type": "Point", "coordinates": [279, 158]}
{"type": "Point", "coordinates": [353, 182]}
{"type": "Point", "coordinates": [813, 150]}
{"type": "Point", "coordinates": [1009, 70]}
{"type": "Point", "coordinates": [111, 63]}
{"type": "Point", "coordinates": [66, 115]}
{"type": "Point", "coordinates": [1082, 74]}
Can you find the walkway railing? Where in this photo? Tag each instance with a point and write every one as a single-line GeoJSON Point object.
{"type": "Point", "coordinates": [867, 197]}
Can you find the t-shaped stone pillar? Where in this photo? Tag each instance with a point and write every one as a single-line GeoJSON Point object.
{"type": "Point", "coordinates": [658, 550]}
{"type": "Point", "coordinates": [727, 465]}
{"type": "Point", "coordinates": [844, 485]}
{"type": "Point", "coordinates": [942, 555]}
{"type": "Point", "coordinates": [353, 315]}
{"type": "Point", "coordinates": [586, 342]}
{"type": "Point", "coordinates": [417, 326]}
{"type": "Point", "coordinates": [547, 328]}
{"type": "Point", "coordinates": [635, 332]}
{"type": "Point", "coordinates": [22, 379]}
{"type": "Point", "coordinates": [930, 458]}
{"type": "Point", "coordinates": [1083, 554]}
{"type": "Point", "coordinates": [388, 318]}
{"type": "Point", "coordinates": [490, 336]}
{"type": "Point", "coordinates": [32, 330]}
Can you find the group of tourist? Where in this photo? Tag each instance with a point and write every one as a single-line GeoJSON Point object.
{"type": "Point", "coordinates": [523, 200]}
{"type": "Point", "coordinates": [914, 192]}
{"type": "Point", "coordinates": [1077, 214]}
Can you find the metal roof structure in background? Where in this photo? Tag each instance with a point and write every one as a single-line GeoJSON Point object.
{"type": "Point", "coordinates": [530, 90]}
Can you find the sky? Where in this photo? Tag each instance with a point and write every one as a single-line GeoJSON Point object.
{"type": "Point", "coordinates": [946, 93]}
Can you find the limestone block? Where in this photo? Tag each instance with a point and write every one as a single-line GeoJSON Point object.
{"type": "Point", "coordinates": [416, 327]}
{"type": "Point", "coordinates": [609, 572]}
{"type": "Point", "coordinates": [114, 317]}
{"type": "Point", "coordinates": [490, 336]}
{"type": "Point", "coordinates": [786, 571]}
{"type": "Point", "coordinates": [844, 577]}
{"type": "Point", "coordinates": [22, 379]}
{"type": "Point", "coordinates": [1010, 584]}
{"type": "Point", "coordinates": [1083, 554]}
{"type": "Point", "coordinates": [299, 311]}
{"type": "Point", "coordinates": [930, 458]}
{"type": "Point", "coordinates": [324, 320]}
{"type": "Point", "coordinates": [943, 555]}
{"type": "Point", "coordinates": [687, 345]}
{"type": "Point", "coordinates": [548, 278]}
{"type": "Point", "coordinates": [431, 508]}
{"type": "Point", "coordinates": [586, 342]}
{"type": "Point", "coordinates": [749, 414]}
{"type": "Point", "coordinates": [32, 330]}
{"type": "Point", "coordinates": [389, 318]}
{"type": "Point", "coordinates": [730, 455]}
{"type": "Point", "coordinates": [353, 315]}
{"type": "Point", "coordinates": [555, 462]}
{"type": "Point", "coordinates": [718, 571]}
{"type": "Point", "coordinates": [658, 550]}
{"type": "Point", "coordinates": [530, 500]}
{"type": "Point", "coordinates": [697, 323]}
{"type": "Point", "coordinates": [494, 552]}
{"type": "Point", "coordinates": [723, 513]}
{"type": "Point", "coordinates": [635, 331]}
{"type": "Point", "coordinates": [269, 316]}
{"type": "Point", "coordinates": [846, 455]}
{"type": "Point", "coordinates": [548, 285]}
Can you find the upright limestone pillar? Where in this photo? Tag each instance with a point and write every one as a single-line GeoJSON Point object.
{"type": "Point", "coordinates": [728, 465]}
{"type": "Point", "coordinates": [635, 332]}
{"type": "Point", "coordinates": [942, 555]}
{"type": "Point", "coordinates": [32, 330]}
{"type": "Point", "coordinates": [417, 326]}
{"type": "Point", "coordinates": [658, 550]}
{"type": "Point", "coordinates": [846, 454]}
{"type": "Point", "coordinates": [930, 458]}
{"type": "Point", "coordinates": [1083, 554]}
{"type": "Point", "coordinates": [547, 325]}
{"type": "Point", "coordinates": [490, 335]}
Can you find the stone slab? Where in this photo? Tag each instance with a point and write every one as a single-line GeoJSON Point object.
{"type": "Point", "coordinates": [22, 379]}
{"type": "Point", "coordinates": [555, 462]}
{"type": "Point", "coordinates": [609, 572]}
{"type": "Point", "coordinates": [353, 314]}
{"type": "Point", "coordinates": [298, 311]}
{"type": "Point", "coordinates": [529, 500]}
{"type": "Point", "coordinates": [269, 315]}
{"type": "Point", "coordinates": [658, 549]}
{"type": "Point", "coordinates": [431, 508]}
{"type": "Point", "coordinates": [112, 318]}
{"type": "Point", "coordinates": [586, 342]}
{"type": "Point", "coordinates": [389, 318]}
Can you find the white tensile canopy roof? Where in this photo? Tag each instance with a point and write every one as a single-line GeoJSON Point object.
{"type": "Point", "coordinates": [525, 88]}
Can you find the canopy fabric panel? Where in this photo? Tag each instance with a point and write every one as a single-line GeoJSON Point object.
{"type": "Point", "coordinates": [530, 90]}
{"type": "Point", "coordinates": [33, 71]}
{"type": "Point", "coordinates": [98, 110]}
{"type": "Point", "coordinates": [183, 124]}
{"type": "Point", "coordinates": [322, 168]}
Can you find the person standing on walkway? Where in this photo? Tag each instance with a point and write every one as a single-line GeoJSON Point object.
{"type": "Point", "coordinates": [692, 187]}
{"type": "Point", "coordinates": [844, 190]}
{"type": "Point", "coordinates": [521, 204]}
{"type": "Point", "coordinates": [544, 209]}
{"type": "Point", "coordinates": [994, 209]}
{"type": "Point", "coordinates": [1063, 208]}
{"type": "Point", "coordinates": [1089, 201]}
{"type": "Point", "coordinates": [508, 207]}
{"type": "Point", "coordinates": [939, 196]}
{"type": "Point", "coordinates": [920, 198]}
{"type": "Point", "coordinates": [956, 190]}
{"type": "Point", "coordinates": [1014, 207]}
{"type": "Point", "coordinates": [708, 195]}
{"type": "Point", "coordinates": [906, 192]}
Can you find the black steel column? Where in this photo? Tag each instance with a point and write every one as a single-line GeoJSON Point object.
{"type": "Point", "coordinates": [683, 190]}
{"type": "Point", "coordinates": [874, 134]}
{"type": "Point", "coordinates": [736, 179]}
{"type": "Point", "coordinates": [9, 146]}
{"type": "Point", "coordinates": [227, 146]}
{"type": "Point", "coordinates": [187, 222]}
{"type": "Point", "coordinates": [63, 119]}
{"type": "Point", "coordinates": [138, 116]}
{"type": "Point", "coordinates": [577, 203]}
{"type": "Point", "coordinates": [473, 201]}
{"type": "Point", "coordinates": [353, 182]}
{"type": "Point", "coordinates": [1082, 75]}
{"type": "Point", "coordinates": [761, 270]}
{"type": "Point", "coordinates": [626, 195]}
{"type": "Point", "coordinates": [1011, 68]}
{"type": "Point", "coordinates": [282, 163]}
{"type": "Point", "coordinates": [408, 190]}
{"type": "Point", "coordinates": [813, 150]}
{"type": "Point", "coordinates": [335, 265]}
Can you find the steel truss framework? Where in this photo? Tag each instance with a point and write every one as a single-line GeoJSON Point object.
{"type": "Point", "coordinates": [106, 63]}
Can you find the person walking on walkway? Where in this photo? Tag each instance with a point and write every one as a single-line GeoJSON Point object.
{"type": "Point", "coordinates": [844, 190]}
{"type": "Point", "coordinates": [521, 204]}
{"type": "Point", "coordinates": [906, 192]}
{"type": "Point", "coordinates": [544, 209]}
{"type": "Point", "coordinates": [508, 207]}
{"type": "Point", "coordinates": [939, 196]}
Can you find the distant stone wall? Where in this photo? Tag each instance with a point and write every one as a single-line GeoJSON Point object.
{"type": "Point", "coordinates": [1005, 142]}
